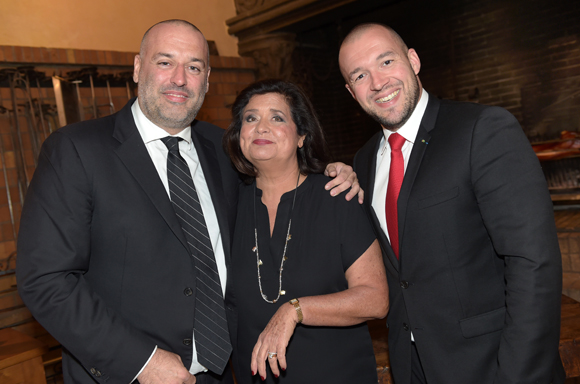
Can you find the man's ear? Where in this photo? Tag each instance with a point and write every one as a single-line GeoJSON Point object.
{"type": "Point", "coordinates": [350, 91]}
{"type": "Point", "coordinates": [414, 60]}
{"type": "Point", "coordinates": [207, 80]}
{"type": "Point", "coordinates": [136, 68]}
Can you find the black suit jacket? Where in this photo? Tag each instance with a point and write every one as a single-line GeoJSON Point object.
{"type": "Point", "coordinates": [102, 261]}
{"type": "Point", "coordinates": [478, 281]}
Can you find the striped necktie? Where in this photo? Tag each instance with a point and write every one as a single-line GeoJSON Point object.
{"type": "Point", "coordinates": [212, 340]}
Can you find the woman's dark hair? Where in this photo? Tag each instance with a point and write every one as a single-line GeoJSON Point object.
{"type": "Point", "coordinates": [312, 157]}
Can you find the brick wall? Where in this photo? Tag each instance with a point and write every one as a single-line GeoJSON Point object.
{"type": "Point", "coordinates": [568, 224]}
{"type": "Point", "coordinates": [570, 248]}
{"type": "Point", "coordinates": [19, 147]}
{"type": "Point", "coordinates": [229, 75]}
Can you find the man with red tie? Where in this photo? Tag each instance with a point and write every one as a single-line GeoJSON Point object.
{"type": "Point", "coordinates": [461, 208]}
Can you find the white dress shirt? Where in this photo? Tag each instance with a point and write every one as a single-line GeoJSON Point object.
{"type": "Point", "coordinates": [151, 135]}
{"type": "Point", "coordinates": [409, 132]}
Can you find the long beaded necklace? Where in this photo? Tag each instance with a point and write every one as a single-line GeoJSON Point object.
{"type": "Point", "coordinates": [284, 258]}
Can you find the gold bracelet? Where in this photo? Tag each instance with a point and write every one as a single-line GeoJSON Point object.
{"type": "Point", "coordinates": [296, 305]}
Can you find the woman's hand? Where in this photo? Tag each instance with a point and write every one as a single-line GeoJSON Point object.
{"type": "Point", "coordinates": [274, 339]}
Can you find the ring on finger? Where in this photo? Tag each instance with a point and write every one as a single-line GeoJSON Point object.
{"type": "Point", "coordinates": [271, 355]}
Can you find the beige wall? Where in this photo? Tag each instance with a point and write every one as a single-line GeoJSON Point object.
{"type": "Point", "coordinates": [115, 25]}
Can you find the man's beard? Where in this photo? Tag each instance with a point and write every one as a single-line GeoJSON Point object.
{"type": "Point", "coordinates": [160, 117]}
{"type": "Point", "coordinates": [396, 122]}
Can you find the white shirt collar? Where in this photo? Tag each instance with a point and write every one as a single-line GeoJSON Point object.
{"type": "Point", "coordinates": [411, 127]}
{"type": "Point", "coordinates": [151, 132]}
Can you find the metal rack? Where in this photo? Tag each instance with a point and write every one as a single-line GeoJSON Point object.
{"type": "Point", "coordinates": [34, 102]}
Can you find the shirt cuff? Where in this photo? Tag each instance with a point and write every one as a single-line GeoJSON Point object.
{"type": "Point", "coordinates": [147, 362]}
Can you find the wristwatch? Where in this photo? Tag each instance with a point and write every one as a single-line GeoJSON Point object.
{"type": "Point", "coordinates": [296, 305]}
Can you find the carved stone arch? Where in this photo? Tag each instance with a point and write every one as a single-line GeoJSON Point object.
{"type": "Point", "coordinates": [259, 26]}
{"type": "Point", "coordinates": [272, 54]}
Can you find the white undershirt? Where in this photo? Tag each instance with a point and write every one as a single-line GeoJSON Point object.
{"type": "Point", "coordinates": [151, 135]}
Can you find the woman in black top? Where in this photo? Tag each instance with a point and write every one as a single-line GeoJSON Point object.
{"type": "Point", "coordinates": [306, 268]}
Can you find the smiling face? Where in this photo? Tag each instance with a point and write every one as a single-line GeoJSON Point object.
{"type": "Point", "coordinates": [381, 74]}
{"type": "Point", "coordinates": [172, 70]}
{"type": "Point", "coordinates": [268, 135]}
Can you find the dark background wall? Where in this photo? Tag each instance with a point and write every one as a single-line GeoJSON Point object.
{"type": "Point", "coordinates": [523, 55]}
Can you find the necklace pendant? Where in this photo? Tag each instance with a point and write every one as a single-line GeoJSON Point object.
{"type": "Point", "coordinates": [281, 292]}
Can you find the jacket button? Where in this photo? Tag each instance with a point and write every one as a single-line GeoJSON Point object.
{"type": "Point", "coordinates": [404, 284]}
{"type": "Point", "coordinates": [405, 326]}
{"type": "Point", "coordinates": [188, 291]}
{"type": "Point", "coordinates": [187, 341]}
{"type": "Point", "coordinates": [95, 372]}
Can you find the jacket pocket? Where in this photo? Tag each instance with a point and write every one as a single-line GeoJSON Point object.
{"type": "Point", "coordinates": [483, 324]}
{"type": "Point", "coordinates": [439, 197]}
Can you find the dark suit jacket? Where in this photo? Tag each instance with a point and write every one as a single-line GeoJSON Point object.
{"type": "Point", "coordinates": [479, 277]}
{"type": "Point", "coordinates": [102, 261]}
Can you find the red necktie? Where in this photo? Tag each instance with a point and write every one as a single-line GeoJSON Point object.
{"type": "Point", "coordinates": [396, 174]}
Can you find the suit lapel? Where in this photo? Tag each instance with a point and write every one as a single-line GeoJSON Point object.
{"type": "Point", "coordinates": [419, 147]}
{"type": "Point", "coordinates": [134, 155]}
{"type": "Point", "coordinates": [208, 160]}
{"type": "Point", "coordinates": [371, 168]}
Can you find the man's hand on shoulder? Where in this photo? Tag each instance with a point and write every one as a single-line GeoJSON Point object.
{"type": "Point", "coordinates": [344, 177]}
{"type": "Point", "coordinates": [165, 368]}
